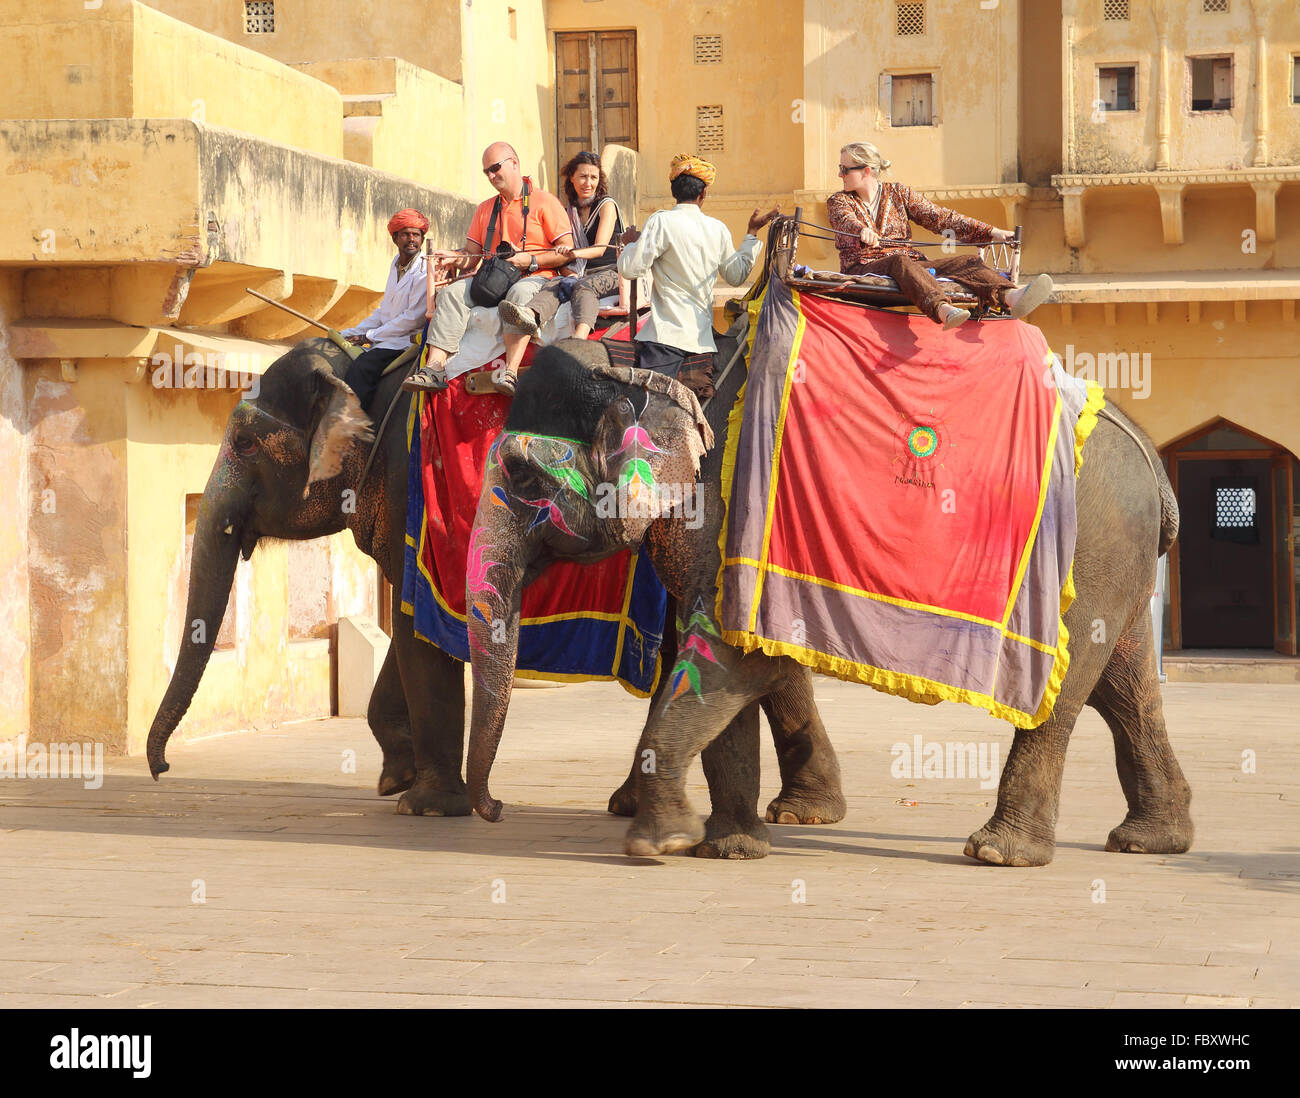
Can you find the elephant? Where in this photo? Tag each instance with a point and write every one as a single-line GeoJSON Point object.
{"type": "Point", "coordinates": [632, 425]}
{"type": "Point", "coordinates": [286, 462]}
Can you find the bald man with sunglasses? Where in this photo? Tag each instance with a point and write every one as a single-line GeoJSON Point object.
{"type": "Point", "coordinates": [530, 219]}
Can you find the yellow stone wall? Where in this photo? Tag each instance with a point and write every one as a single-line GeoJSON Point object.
{"type": "Point", "coordinates": [424, 32]}
{"type": "Point", "coordinates": [125, 60]}
{"type": "Point", "coordinates": [1115, 141]}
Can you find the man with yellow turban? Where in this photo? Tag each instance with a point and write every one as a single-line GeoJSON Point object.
{"type": "Point", "coordinates": [684, 252]}
{"type": "Point", "coordinates": [400, 314]}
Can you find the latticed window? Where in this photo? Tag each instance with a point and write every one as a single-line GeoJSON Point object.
{"type": "Point", "coordinates": [909, 18]}
{"type": "Point", "coordinates": [1115, 11]}
{"type": "Point", "coordinates": [1234, 507]}
{"type": "Point", "coordinates": [259, 16]}
{"type": "Point", "coordinates": [708, 49]}
{"type": "Point", "coordinates": [1215, 5]}
{"type": "Point", "coordinates": [708, 129]}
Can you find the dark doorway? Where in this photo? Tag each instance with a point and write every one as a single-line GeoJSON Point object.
{"type": "Point", "coordinates": [1233, 567]}
{"type": "Point", "coordinates": [1227, 553]}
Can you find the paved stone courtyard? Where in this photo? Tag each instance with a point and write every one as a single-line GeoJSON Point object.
{"type": "Point", "coordinates": [317, 894]}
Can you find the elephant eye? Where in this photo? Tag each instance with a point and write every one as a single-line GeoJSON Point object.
{"type": "Point", "coordinates": [245, 444]}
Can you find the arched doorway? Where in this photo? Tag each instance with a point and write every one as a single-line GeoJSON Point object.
{"type": "Point", "coordinates": [1233, 568]}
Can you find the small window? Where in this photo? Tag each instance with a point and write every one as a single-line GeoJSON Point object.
{"type": "Point", "coordinates": [1117, 88]}
{"type": "Point", "coordinates": [259, 16]}
{"type": "Point", "coordinates": [1236, 514]}
{"type": "Point", "coordinates": [1211, 83]}
{"type": "Point", "coordinates": [708, 49]}
{"type": "Point", "coordinates": [1295, 80]}
{"type": "Point", "coordinates": [1215, 5]}
{"type": "Point", "coordinates": [912, 100]}
{"type": "Point", "coordinates": [1115, 11]}
{"type": "Point", "coordinates": [708, 130]}
{"type": "Point", "coordinates": [909, 19]}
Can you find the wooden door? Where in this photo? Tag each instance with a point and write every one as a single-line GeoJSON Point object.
{"type": "Point", "coordinates": [595, 68]}
{"type": "Point", "coordinates": [1283, 502]}
{"type": "Point", "coordinates": [1226, 553]}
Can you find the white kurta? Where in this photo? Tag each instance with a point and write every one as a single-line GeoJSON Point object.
{"type": "Point", "coordinates": [687, 250]}
{"type": "Point", "coordinates": [401, 312]}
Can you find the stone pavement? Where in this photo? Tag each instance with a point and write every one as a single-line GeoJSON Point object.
{"type": "Point", "coordinates": [317, 894]}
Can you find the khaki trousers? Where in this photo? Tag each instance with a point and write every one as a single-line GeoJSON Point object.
{"type": "Point", "coordinates": [922, 288]}
{"type": "Point", "coordinates": [452, 306]}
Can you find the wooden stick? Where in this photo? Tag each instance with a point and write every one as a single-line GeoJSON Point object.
{"type": "Point", "coordinates": [335, 337]}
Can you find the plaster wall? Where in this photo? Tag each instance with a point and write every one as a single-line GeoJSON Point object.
{"type": "Point", "coordinates": [424, 32]}
{"type": "Point", "coordinates": [125, 60]}
{"type": "Point", "coordinates": [1122, 141]}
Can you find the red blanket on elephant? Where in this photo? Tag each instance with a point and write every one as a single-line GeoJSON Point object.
{"type": "Point", "coordinates": [592, 621]}
{"type": "Point", "coordinates": [900, 502]}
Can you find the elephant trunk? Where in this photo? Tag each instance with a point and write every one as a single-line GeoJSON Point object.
{"type": "Point", "coordinates": [217, 537]}
{"type": "Point", "coordinates": [494, 648]}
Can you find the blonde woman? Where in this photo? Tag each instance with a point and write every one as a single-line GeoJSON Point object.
{"type": "Point", "coordinates": [876, 218]}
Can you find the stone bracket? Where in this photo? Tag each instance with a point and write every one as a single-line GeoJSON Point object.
{"type": "Point", "coordinates": [1072, 206]}
{"type": "Point", "coordinates": [68, 369]}
{"type": "Point", "coordinates": [1171, 210]}
{"type": "Point", "coordinates": [1266, 210]}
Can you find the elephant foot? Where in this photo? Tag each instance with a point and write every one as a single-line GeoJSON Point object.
{"type": "Point", "coordinates": [801, 806]}
{"type": "Point", "coordinates": [666, 833]}
{"type": "Point", "coordinates": [999, 843]}
{"type": "Point", "coordinates": [724, 837]}
{"type": "Point", "coordinates": [1144, 835]}
{"type": "Point", "coordinates": [424, 798]}
{"type": "Point", "coordinates": [622, 802]}
{"type": "Point", "coordinates": [397, 775]}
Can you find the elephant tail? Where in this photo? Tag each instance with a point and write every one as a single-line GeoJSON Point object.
{"type": "Point", "coordinates": [1168, 511]}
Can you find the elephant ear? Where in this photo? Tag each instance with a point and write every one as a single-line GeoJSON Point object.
{"type": "Point", "coordinates": [339, 422]}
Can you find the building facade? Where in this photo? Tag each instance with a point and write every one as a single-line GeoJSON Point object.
{"type": "Point", "coordinates": [162, 157]}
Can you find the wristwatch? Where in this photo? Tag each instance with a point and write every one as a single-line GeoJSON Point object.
{"type": "Point", "coordinates": [532, 266]}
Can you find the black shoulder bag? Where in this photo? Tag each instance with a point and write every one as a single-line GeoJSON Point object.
{"type": "Point", "coordinates": [496, 274]}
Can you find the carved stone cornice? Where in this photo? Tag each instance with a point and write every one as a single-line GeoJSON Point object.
{"type": "Point", "coordinates": [1280, 174]}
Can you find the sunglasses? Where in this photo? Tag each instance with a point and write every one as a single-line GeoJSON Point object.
{"type": "Point", "coordinates": [852, 168]}
{"type": "Point", "coordinates": [492, 169]}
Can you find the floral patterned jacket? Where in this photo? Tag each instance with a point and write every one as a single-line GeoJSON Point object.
{"type": "Point", "coordinates": [899, 206]}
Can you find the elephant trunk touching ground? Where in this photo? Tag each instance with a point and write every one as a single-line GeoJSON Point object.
{"type": "Point", "coordinates": [218, 532]}
{"type": "Point", "coordinates": [278, 473]}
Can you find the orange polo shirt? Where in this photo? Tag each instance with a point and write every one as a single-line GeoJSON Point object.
{"type": "Point", "coordinates": [548, 223]}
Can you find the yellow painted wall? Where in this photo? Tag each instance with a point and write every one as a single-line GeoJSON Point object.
{"type": "Point", "coordinates": [1126, 141]}
{"type": "Point", "coordinates": [125, 60]}
{"type": "Point", "coordinates": [1243, 370]}
{"type": "Point", "coordinates": [16, 501]}
{"type": "Point", "coordinates": [400, 119]}
{"type": "Point", "coordinates": [423, 32]}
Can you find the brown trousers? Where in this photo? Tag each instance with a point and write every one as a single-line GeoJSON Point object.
{"type": "Point", "coordinates": [922, 288]}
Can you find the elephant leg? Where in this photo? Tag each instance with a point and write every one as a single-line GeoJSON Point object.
{"type": "Point", "coordinates": [810, 772]}
{"type": "Point", "coordinates": [622, 801]}
{"type": "Point", "coordinates": [434, 687]}
{"type": "Point", "coordinates": [1128, 698]}
{"type": "Point", "coordinates": [733, 830]}
{"type": "Point", "coordinates": [677, 731]}
{"type": "Point", "coordinates": [391, 727]}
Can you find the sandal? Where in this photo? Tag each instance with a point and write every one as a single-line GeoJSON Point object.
{"type": "Point", "coordinates": [425, 380]}
{"type": "Point", "coordinates": [504, 381]}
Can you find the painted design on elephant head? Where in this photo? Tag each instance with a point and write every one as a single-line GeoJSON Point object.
{"type": "Point", "coordinates": [554, 456]}
{"type": "Point", "coordinates": [476, 567]}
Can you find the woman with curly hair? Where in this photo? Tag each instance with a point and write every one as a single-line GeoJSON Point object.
{"type": "Point", "coordinates": [596, 222]}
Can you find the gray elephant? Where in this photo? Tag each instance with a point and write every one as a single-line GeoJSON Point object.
{"type": "Point", "coordinates": [285, 462]}
{"type": "Point", "coordinates": [633, 426]}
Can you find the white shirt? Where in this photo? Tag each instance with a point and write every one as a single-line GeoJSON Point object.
{"type": "Point", "coordinates": [401, 312]}
{"type": "Point", "coordinates": [686, 251]}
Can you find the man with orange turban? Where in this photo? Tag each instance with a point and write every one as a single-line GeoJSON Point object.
{"type": "Point", "coordinates": [400, 314]}
{"type": "Point", "coordinates": [684, 252]}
